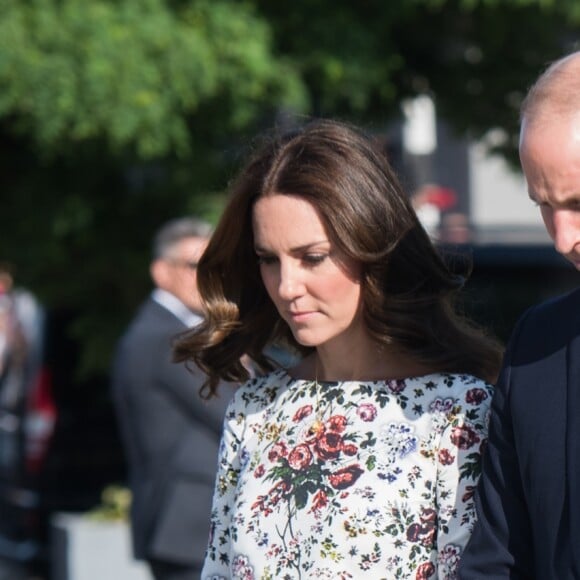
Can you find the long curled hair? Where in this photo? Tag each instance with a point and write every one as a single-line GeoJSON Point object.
{"type": "Point", "coordinates": [407, 288]}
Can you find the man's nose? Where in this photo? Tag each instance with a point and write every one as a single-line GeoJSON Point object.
{"type": "Point", "coordinates": [566, 230]}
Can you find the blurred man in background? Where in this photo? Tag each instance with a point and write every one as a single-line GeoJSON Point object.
{"type": "Point", "coordinates": [170, 434]}
{"type": "Point", "coordinates": [13, 345]}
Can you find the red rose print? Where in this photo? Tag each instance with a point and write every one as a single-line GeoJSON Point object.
{"type": "Point", "coordinates": [414, 532]}
{"type": "Point", "coordinates": [260, 504]}
{"type": "Point", "coordinates": [464, 437]}
{"type": "Point", "coordinates": [396, 387]}
{"type": "Point", "coordinates": [428, 515]}
{"type": "Point", "coordinates": [425, 571]}
{"type": "Point", "coordinates": [300, 457]}
{"type": "Point", "coordinates": [281, 487]}
{"type": "Point", "coordinates": [337, 423]}
{"type": "Point", "coordinates": [345, 477]}
{"type": "Point", "coordinates": [329, 445]}
{"type": "Point", "coordinates": [278, 450]}
{"type": "Point", "coordinates": [349, 449]}
{"type": "Point", "coordinates": [424, 533]}
{"type": "Point", "coordinates": [445, 457]}
{"type": "Point", "coordinates": [476, 396]}
{"type": "Point", "coordinates": [469, 492]}
{"type": "Point", "coordinates": [280, 490]}
{"type": "Point", "coordinates": [260, 470]}
{"type": "Point", "coordinates": [302, 413]}
{"type": "Point", "coordinates": [367, 412]}
{"type": "Point", "coordinates": [319, 501]}
{"type": "Point", "coordinates": [427, 537]}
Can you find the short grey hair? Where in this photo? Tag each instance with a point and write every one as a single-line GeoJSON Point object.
{"type": "Point", "coordinates": [172, 232]}
{"type": "Point", "coordinates": [556, 92]}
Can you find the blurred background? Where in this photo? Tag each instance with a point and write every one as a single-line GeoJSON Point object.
{"type": "Point", "coordinates": [118, 115]}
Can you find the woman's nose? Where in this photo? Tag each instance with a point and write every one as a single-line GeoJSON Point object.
{"type": "Point", "coordinates": [290, 285]}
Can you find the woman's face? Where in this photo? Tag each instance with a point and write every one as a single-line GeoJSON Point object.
{"type": "Point", "coordinates": [315, 287]}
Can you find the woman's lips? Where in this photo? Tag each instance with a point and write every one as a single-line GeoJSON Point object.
{"type": "Point", "coordinates": [302, 315]}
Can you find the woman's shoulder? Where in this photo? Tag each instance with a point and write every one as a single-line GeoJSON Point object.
{"type": "Point", "coordinates": [465, 388]}
{"type": "Point", "coordinates": [451, 380]}
{"type": "Point", "coordinates": [261, 390]}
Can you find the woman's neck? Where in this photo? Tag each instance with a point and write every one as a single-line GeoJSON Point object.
{"type": "Point", "coordinates": [373, 363]}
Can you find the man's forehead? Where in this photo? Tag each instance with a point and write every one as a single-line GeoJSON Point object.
{"type": "Point", "coordinates": [193, 243]}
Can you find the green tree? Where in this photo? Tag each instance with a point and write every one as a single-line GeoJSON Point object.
{"type": "Point", "coordinates": [476, 57]}
{"type": "Point", "coordinates": [130, 75]}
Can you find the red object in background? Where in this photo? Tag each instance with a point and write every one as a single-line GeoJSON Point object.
{"type": "Point", "coordinates": [40, 421]}
{"type": "Point", "coordinates": [443, 198]}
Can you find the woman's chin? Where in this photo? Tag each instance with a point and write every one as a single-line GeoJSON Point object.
{"type": "Point", "coordinates": [306, 339]}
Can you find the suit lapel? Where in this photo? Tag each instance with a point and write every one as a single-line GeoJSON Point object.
{"type": "Point", "coordinates": [573, 444]}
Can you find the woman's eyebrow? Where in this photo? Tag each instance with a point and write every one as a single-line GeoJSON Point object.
{"type": "Point", "coordinates": [296, 249]}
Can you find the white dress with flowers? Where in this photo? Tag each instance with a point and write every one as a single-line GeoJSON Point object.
{"type": "Point", "coordinates": [347, 480]}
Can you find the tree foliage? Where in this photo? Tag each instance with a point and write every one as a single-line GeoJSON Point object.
{"type": "Point", "coordinates": [118, 114]}
{"type": "Point", "coordinates": [132, 73]}
{"type": "Point", "coordinates": [475, 57]}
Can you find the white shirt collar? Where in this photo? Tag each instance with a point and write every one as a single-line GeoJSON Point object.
{"type": "Point", "coordinates": [176, 307]}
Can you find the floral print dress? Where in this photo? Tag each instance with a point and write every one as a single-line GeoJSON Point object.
{"type": "Point", "coordinates": [341, 480]}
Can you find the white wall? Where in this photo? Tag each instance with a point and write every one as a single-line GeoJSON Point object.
{"type": "Point", "coordinates": [498, 193]}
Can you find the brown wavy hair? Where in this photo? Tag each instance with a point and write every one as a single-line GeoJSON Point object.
{"type": "Point", "coordinates": [408, 289]}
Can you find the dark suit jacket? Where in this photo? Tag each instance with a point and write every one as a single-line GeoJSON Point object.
{"type": "Point", "coordinates": [171, 438]}
{"type": "Point", "coordinates": [528, 497]}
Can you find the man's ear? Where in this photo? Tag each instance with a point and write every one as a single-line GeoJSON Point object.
{"type": "Point", "coordinates": [159, 271]}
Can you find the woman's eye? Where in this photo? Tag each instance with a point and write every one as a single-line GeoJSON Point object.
{"type": "Point", "coordinates": [266, 260]}
{"type": "Point", "coordinates": [314, 259]}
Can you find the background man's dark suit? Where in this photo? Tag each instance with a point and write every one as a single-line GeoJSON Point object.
{"type": "Point", "coordinates": [171, 437]}
{"type": "Point", "coordinates": [529, 494]}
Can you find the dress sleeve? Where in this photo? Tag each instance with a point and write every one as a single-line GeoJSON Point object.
{"type": "Point", "coordinates": [217, 560]}
{"type": "Point", "coordinates": [458, 469]}
{"type": "Point", "coordinates": [500, 547]}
